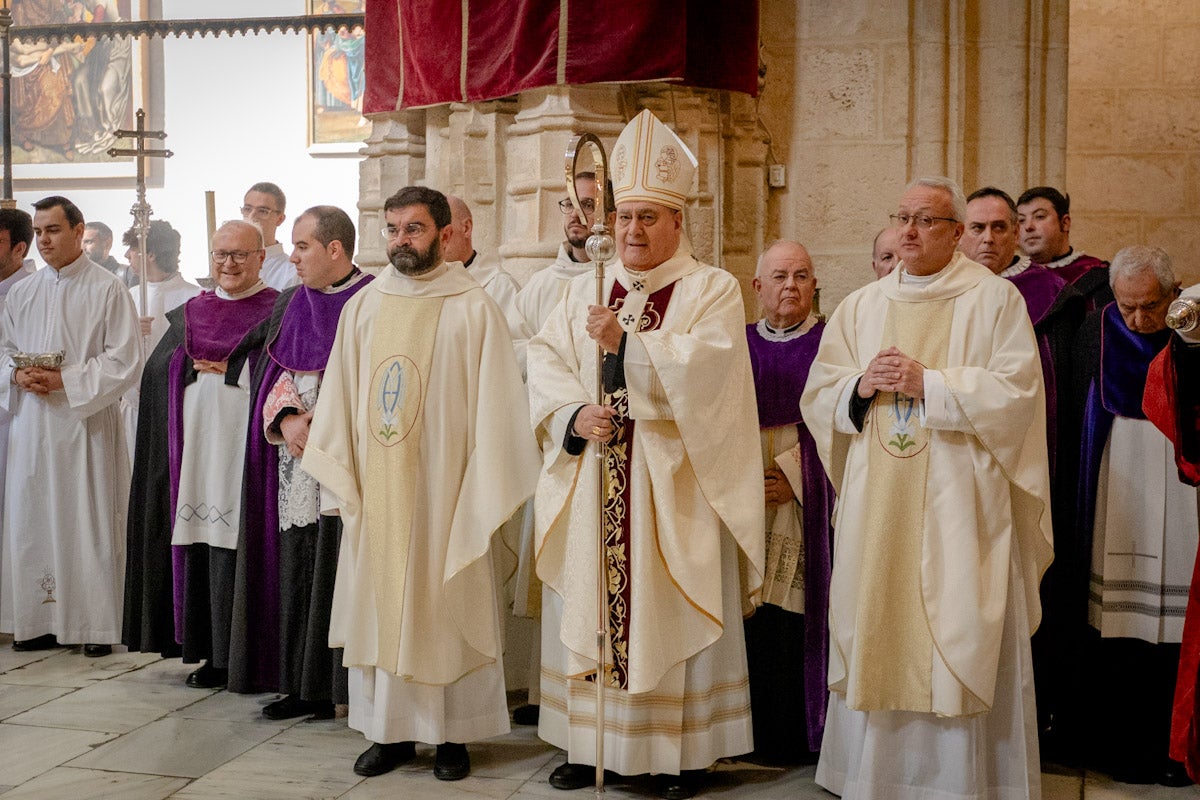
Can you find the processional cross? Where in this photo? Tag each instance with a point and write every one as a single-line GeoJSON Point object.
{"type": "Point", "coordinates": [141, 209]}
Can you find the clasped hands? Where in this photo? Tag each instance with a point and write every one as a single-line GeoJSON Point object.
{"type": "Point", "coordinates": [892, 371]}
{"type": "Point", "coordinates": [39, 380]}
{"type": "Point", "coordinates": [212, 367]}
{"type": "Point", "coordinates": [294, 428]}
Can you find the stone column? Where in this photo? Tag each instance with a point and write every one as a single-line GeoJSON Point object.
{"type": "Point", "coordinates": [395, 158]}
{"type": "Point", "coordinates": [545, 124]}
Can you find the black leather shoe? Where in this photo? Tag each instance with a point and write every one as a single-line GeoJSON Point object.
{"type": "Point", "coordinates": [97, 650]}
{"type": "Point", "coordinates": [572, 776]}
{"type": "Point", "coordinates": [44, 642]}
{"type": "Point", "coordinates": [381, 758]}
{"type": "Point", "coordinates": [677, 787]}
{"type": "Point", "coordinates": [526, 715]}
{"type": "Point", "coordinates": [289, 707]}
{"type": "Point", "coordinates": [208, 677]}
{"type": "Point", "coordinates": [452, 762]}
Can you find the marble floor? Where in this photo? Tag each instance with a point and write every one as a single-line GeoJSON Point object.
{"type": "Point", "coordinates": [125, 726]}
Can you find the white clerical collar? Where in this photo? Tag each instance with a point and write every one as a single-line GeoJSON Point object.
{"type": "Point", "coordinates": [350, 280]}
{"type": "Point", "coordinates": [24, 271]}
{"type": "Point", "coordinates": [253, 290]}
{"type": "Point", "coordinates": [917, 281]}
{"type": "Point", "coordinates": [1019, 265]}
{"type": "Point", "coordinates": [1071, 257]}
{"type": "Point", "coordinates": [71, 270]}
{"type": "Point", "coordinates": [787, 334]}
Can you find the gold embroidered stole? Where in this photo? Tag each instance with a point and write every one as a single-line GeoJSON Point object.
{"type": "Point", "coordinates": [401, 356]}
{"type": "Point", "coordinates": [891, 666]}
{"type": "Point", "coordinates": [641, 312]}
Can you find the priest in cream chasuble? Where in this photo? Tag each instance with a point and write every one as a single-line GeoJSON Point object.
{"type": "Point", "coordinates": [684, 504]}
{"type": "Point", "coordinates": [421, 441]}
{"type": "Point", "coordinates": [926, 402]}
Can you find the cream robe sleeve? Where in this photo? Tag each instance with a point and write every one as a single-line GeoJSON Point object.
{"type": "Point", "coordinates": [99, 381]}
{"type": "Point", "coordinates": [695, 369]}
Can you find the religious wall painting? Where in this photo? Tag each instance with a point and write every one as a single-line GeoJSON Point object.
{"type": "Point", "coordinates": [336, 81]}
{"type": "Point", "coordinates": [70, 97]}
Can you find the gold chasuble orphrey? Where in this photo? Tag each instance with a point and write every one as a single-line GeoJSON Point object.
{"type": "Point", "coordinates": [935, 497]}
{"type": "Point", "coordinates": [401, 356]}
{"type": "Point", "coordinates": [421, 442]}
{"type": "Point", "coordinates": [892, 629]}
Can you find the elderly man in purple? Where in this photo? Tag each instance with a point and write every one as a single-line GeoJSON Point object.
{"type": "Point", "coordinates": [187, 484]}
{"type": "Point", "coordinates": [1056, 309]}
{"type": "Point", "coordinates": [787, 638]}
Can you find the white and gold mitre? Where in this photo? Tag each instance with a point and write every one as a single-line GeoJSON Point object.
{"type": "Point", "coordinates": [650, 164]}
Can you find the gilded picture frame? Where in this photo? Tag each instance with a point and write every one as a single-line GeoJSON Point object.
{"type": "Point", "coordinates": [336, 82]}
{"type": "Point", "coordinates": [69, 97]}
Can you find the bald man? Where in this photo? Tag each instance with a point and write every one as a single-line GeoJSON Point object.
{"type": "Point", "coordinates": [884, 252]}
{"type": "Point", "coordinates": [787, 638]}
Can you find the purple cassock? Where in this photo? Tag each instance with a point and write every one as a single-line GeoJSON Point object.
{"type": "Point", "coordinates": [1040, 287]}
{"type": "Point", "coordinates": [298, 338]}
{"type": "Point", "coordinates": [208, 328]}
{"type": "Point", "coordinates": [214, 330]}
{"type": "Point", "coordinates": [780, 373]}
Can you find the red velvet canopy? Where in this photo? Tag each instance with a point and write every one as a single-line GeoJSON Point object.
{"type": "Point", "coordinates": [426, 52]}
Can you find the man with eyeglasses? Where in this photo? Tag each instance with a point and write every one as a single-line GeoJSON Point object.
{"type": "Point", "coordinates": [927, 406]}
{"type": "Point", "coordinates": [1044, 220]}
{"type": "Point", "coordinates": [186, 500]}
{"type": "Point", "coordinates": [264, 205]}
{"type": "Point", "coordinates": [69, 347]}
{"type": "Point", "coordinates": [686, 503]}
{"type": "Point", "coordinates": [1138, 522]}
{"type": "Point", "coordinates": [421, 442]}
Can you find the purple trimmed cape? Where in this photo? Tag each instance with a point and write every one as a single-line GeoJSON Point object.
{"type": "Point", "coordinates": [214, 329]}
{"type": "Point", "coordinates": [299, 338]}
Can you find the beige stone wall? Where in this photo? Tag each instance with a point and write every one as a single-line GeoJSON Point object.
{"type": "Point", "coordinates": [1133, 130]}
{"type": "Point", "coordinates": [864, 95]}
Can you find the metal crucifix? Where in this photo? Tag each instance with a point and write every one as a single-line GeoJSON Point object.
{"type": "Point", "coordinates": [141, 209]}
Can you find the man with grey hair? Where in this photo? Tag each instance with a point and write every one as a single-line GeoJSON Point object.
{"type": "Point", "coordinates": [1137, 520]}
{"type": "Point", "coordinates": [943, 523]}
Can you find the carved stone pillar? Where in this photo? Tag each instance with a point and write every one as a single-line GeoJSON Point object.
{"type": "Point", "coordinates": [395, 158]}
{"type": "Point", "coordinates": [468, 160]}
{"type": "Point", "coordinates": [546, 122]}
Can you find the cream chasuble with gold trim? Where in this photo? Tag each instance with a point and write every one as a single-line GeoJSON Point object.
{"type": "Point", "coordinates": [928, 546]}
{"type": "Point", "coordinates": [422, 435]}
